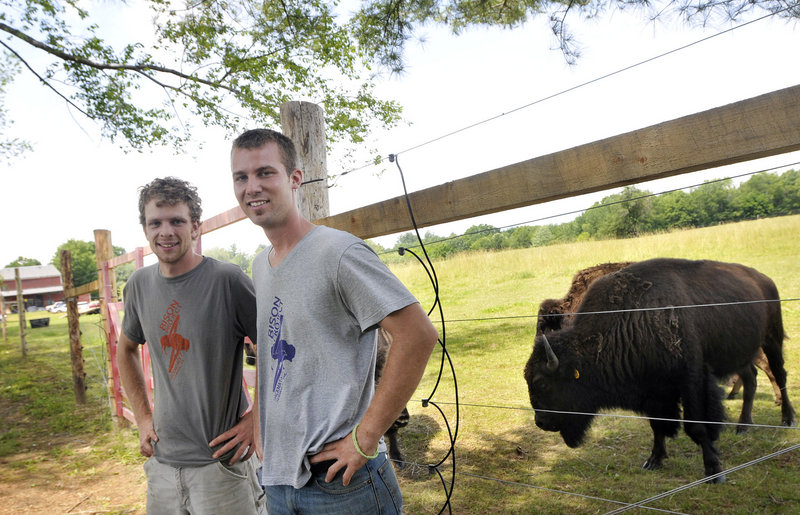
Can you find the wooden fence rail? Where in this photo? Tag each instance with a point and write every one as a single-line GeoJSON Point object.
{"type": "Point", "coordinates": [758, 127]}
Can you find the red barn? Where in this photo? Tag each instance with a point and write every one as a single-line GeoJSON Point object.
{"type": "Point", "coordinates": [41, 286]}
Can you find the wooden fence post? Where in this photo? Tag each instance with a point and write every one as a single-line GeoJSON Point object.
{"type": "Point", "coordinates": [304, 123]}
{"type": "Point", "coordinates": [21, 313]}
{"type": "Point", "coordinates": [3, 316]}
{"type": "Point", "coordinates": [75, 348]}
{"type": "Point", "coordinates": [105, 251]}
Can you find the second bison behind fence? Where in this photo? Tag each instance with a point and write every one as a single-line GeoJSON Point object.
{"type": "Point", "coordinates": [643, 353]}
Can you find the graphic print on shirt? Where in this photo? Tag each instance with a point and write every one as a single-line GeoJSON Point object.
{"type": "Point", "coordinates": [280, 350]}
{"type": "Point", "coordinates": [173, 340]}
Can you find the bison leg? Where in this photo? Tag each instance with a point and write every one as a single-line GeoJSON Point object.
{"type": "Point", "coordinates": [394, 448]}
{"type": "Point", "coordinates": [762, 362]}
{"type": "Point", "coordinates": [659, 452]}
{"type": "Point", "coordinates": [701, 406]}
{"type": "Point", "coordinates": [394, 442]}
{"type": "Point", "coordinates": [774, 353]}
{"type": "Point", "coordinates": [736, 385]}
{"type": "Point", "coordinates": [661, 429]}
{"type": "Point", "coordinates": [748, 377]}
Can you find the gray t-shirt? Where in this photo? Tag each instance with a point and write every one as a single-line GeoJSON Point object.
{"type": "Point", "coordinates": [318, 312]}
{"type": "Point", "coordinates": [195, 326]}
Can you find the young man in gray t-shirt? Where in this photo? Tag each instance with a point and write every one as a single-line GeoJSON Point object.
{"type": "Point", "coordinates": [194, 312]}
{"type": "Point", "coordinates": [321, 296]}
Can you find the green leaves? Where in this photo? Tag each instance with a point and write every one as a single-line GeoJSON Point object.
{"type": "Point", "coordinates": [223, 63]}
{"type": "Point", "coordinates": [231, 63]}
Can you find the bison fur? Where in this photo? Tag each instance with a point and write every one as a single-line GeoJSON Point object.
{"type": "Point", "coordinates": [633, 345]}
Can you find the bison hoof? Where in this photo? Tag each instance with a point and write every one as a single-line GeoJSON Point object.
{"type": "Point", "coordinates": [741, 429]}
{"type": "Point", "coordinates": [652, 464]}
{"type": "Point", "coordinates": [719, 480]}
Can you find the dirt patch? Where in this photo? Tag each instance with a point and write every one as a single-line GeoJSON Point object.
{"type": "Point", "coordinates": [71, 475]}
{"type": "Point", "coordinates": [49, 487]}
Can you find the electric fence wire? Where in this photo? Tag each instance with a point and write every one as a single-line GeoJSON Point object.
{"type": "Point", "coordinates": [600, 206]}
{"type": "Point", "coordinates": [452, 433]}
{"type": "Point", "coordinates": [629, 417]}
{"type": "Point", "coordinates": [564, 492]}
{"type": "Point", "coordinates": [570, 89]}
{"type": "Point", "coordinates": [101, 368]}
{"type": "Point", "coordinates": [639, 504]}
{"type": "Point", "coordinates": [704, 480]}
{"type": "Point", "coordinates": [613, 311]}
{"type": "Point", "coordinates": [452, 437]}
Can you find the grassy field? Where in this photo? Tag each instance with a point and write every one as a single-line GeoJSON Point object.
{"type": "Point", "coordinates": [505, 464]}
{"type": "Point", "coordinates": [68, 459]}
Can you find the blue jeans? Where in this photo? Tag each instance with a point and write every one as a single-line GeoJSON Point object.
{"type": "Point", "coordinates": [373, 489]}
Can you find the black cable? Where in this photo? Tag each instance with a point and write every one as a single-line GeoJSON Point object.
{"type": "Point", "coordinates": [431, 271]}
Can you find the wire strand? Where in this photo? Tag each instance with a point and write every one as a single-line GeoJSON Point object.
{"type": "Point", "coordinates": [705, 480]}
{"type": "Point", "coordinates": [598, 206]}
{"type": "Point", "coordinates": [573, 88]}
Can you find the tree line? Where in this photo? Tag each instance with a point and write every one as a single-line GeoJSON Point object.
{"type": "Point", "coordinates": [628, 214]}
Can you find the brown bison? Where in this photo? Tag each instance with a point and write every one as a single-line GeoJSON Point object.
{"type": "Point", "coordinates": [554, 313]}
{"type": "Point", "coordinates": [634, 345]}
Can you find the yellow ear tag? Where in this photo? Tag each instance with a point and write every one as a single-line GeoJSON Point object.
{"type": "Point", "coordinates": [577, 374]}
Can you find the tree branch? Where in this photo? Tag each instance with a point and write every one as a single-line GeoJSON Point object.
{"type": "Point", "coordinates": [109, 66]}
{"type": "Point", "coordinates": [43, 80]}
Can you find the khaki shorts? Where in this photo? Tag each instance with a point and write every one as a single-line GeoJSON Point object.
{"type": "Point", "coordinates": [210, 489]}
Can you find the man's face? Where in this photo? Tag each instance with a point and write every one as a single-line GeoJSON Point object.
{"type": "Point", "coordinates": [263, 188]}
{"type": "Point", "coordinates": [170, 232]}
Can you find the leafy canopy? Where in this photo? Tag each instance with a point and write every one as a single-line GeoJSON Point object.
{"type": "Point", "coordinates": [9, 146]}
{"type": "Point", "coordinates": [84, 260]}
{"type": "Point", "coordinates": [228, 63]}
{"type": "Point", "coordinates": [232, 63]}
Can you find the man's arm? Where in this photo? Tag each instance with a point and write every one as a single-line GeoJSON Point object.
{"type": "Point", "coordinates": [413, 340]}
{"type": "Point", "coordinates": [132, 377]}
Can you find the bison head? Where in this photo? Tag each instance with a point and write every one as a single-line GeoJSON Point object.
{"type": "Point", "coordinates": [556, 391]}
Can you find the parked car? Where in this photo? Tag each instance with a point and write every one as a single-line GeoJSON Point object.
{"type": "Point", "coordinates": [57, 307]}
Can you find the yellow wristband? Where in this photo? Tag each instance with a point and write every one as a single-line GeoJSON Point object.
{"type": "Point", "coordinates": [358, 448]}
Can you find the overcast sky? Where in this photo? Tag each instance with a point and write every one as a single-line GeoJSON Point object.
{"type": "Point", "coordinates": [74, 182]}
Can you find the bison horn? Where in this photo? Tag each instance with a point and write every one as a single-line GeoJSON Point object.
{"type": "Point", "coordinates": [552, 359]}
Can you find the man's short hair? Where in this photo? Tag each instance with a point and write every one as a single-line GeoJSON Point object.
{"type": "Point", "coordinates": [257, 138]}
{"type": "Point", "coordinates": [170, 191]}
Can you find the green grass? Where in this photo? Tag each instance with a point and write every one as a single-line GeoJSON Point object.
{"type": "Point", "coordinates": [40, 385]}
{"type": "Point", "coordinates": [41, 425]}
{"type": "Point", "coordinates": [497, 435]}
{"type": "Point", "coordinates": [44, 433]}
